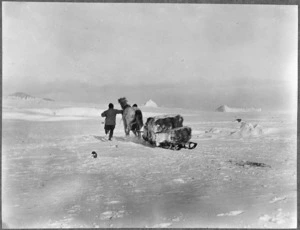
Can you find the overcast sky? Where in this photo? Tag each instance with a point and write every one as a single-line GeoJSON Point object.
{"type": "Point", "coordinates": [181, 55]}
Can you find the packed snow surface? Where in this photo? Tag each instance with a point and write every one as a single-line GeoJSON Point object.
{"type": "Point", "coordinates": [241, 175]}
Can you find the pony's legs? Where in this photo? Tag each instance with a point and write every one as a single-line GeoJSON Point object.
{"type": "Point", "coordinates": [134, 132]}
{"type": "Point", "coordinates": [126, 128]}
{"type": "Point", "coordinates": [137, 132]}
{"type": "Point", "coordinates": [127, 131]}
{"type": "Point", "coordinates": [130, 120]}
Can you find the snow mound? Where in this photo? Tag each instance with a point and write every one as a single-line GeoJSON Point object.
{"type": "Point", "coordinates": [225, 108]}
{"type": "Point", "coordinates": [150, 103]}
{"type": "Point", "coordinates": [247, 129]}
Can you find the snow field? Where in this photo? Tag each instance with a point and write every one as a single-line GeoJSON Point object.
{"type": "Point", "coordinates": [50, 178]}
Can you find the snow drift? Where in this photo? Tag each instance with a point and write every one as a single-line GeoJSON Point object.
{"type": "Point", "coordinates": [225, 108]}
{"type": "Point", "coordinates": [245, 130]}
{"type": "Point", "coordinates": [248, 129]}
{"type": "Point", "coordinates": [72, 111]}
{"type": "Point", "coordinates": [44, 113]}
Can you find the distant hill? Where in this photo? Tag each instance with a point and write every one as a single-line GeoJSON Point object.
{"type": "Point", "coordinates": [25, 96]}
{"type": "Point", "coordinates": [21, 95]}
{"type": "Point", "coordinates": [150, 103]}
{"type": "Point", "coordinates": [225, 108]}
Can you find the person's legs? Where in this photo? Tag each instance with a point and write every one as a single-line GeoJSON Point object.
{"type": "Point", "coordinates": [111, 133]}
{"type": "Point", "coordinates": [106, 128]}
{"type": "Point", "coordinates": [134, 128]}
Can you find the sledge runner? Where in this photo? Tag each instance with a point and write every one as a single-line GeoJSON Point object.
{"type": "Point", "coordinates": [110, 119]}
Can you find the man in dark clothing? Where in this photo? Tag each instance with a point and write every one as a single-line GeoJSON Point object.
{"type": "Point", "coordinates": [138, 122]}
{"type": "Point", "coordinates": [110, 119]}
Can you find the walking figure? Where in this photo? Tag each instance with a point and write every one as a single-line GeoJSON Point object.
{"type": "Point", "coordinates": [110, 119]}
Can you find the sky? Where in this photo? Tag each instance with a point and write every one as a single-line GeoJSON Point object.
{"type": "Point", "coordinates": [196, 56]}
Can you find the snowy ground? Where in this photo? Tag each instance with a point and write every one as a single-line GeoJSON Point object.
{"type": "Point", "coordinates": [50, 179]}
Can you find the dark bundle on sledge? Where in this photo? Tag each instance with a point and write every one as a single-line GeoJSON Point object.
{"type": "Point", "coordinates": [167, 131]}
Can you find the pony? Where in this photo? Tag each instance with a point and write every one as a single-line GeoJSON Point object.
{"type": "Point", "coordinates": [132, 118]}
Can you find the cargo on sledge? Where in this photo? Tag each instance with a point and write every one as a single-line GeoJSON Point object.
{"type": "Point", "coordinates": [167, 131]}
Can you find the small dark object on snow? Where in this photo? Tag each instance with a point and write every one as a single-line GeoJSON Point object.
{"type": "Point", "coordinates": [94, 154]}
{"type": "Point", "coordinates": [238, 120]}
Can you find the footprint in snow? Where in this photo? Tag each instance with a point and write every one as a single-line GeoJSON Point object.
{"type": "Point", "coordinates": [232, 213]}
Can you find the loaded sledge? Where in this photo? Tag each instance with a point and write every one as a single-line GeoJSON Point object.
{"type": "Point", "coordinates": [167, 131]}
